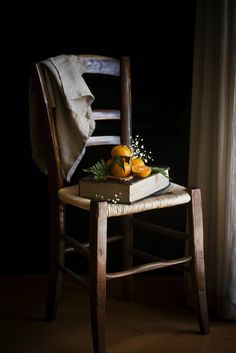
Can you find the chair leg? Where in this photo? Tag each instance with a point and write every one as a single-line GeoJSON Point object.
{"type": "Point", "coordinates": [98, 250]}
{"type": "Point", "coordinates": [57, 256]}
{"type": "Point", "coordinates": [198, 267]}
{"type": "Point", "coordinates": [127, 254]}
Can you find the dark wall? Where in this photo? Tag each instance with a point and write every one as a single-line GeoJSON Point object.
{"type": "Point", "coordinates": [160, 45]}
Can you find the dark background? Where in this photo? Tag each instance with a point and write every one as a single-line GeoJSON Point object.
{"type": "Point", "coordinates": [159, 42]}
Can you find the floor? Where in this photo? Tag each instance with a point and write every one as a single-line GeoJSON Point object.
{"type": "Point", "coordinates": [154, 321]}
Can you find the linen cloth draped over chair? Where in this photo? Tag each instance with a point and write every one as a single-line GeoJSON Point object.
{"type": "Point", "coordinates": [99, 212]}
{"type": "Point", "coordinates": [71, 100]}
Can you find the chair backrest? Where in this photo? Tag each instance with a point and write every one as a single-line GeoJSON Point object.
{"type": "Point", "coordinates": [93, 65]}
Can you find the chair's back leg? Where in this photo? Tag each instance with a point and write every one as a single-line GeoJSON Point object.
{"type": "Point", "coordinates": [127, 226]}
{"type": "Point", "coordinates": [98, 254]}
{"type": "Point", "coordinates": [56, 259]}
{"type": "Point", "coordinates": [197, 250]}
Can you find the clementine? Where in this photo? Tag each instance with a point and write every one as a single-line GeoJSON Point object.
{"type": "Point", "coordinates": [137, 161]}
{"type": "Point", "coordinates": [141, 171]}
{"type": "Point", "coordinates": [121, 150]}
{"type": "Point", "coordinates": [121, 171]}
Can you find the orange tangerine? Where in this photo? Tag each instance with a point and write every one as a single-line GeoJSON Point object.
{"type": "Point", "coordinates": [137, 161]}
{"type": "Point", "coordinates": [141, 171]}
{"type": "Point", "coordinates": [115, 160]}
{"type": "Point", "coordinates": [121, 150]}
{"type": "Point", "coordinates": [118, 171]}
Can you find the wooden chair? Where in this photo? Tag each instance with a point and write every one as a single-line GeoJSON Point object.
{"type": "Point", "coordinates": [100, 211]}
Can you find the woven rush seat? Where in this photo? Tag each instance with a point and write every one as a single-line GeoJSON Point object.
{"type": "Point", "coordinates": [175, 195]}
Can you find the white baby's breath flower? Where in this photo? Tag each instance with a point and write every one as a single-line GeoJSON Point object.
{"type": "Point", "coordinates": [138, 149]}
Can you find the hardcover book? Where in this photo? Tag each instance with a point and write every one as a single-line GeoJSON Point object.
{"type": "Point", "coordinates": [123, 191]}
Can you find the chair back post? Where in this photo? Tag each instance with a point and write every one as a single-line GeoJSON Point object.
{"type": "Point", "coordinates": [55, 178]}
{"type": "Point", "coordinates": [126, 114]}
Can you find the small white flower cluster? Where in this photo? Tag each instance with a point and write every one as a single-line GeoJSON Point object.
{"type": "Point", "coordinates": [138, 149]}
{"type": "Point", "coordinates": [114, 200]}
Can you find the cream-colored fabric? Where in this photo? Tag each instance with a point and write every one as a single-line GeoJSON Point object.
{"type": "Point", "coordinates": [176, 195]}
{"type": "Point", "coordinates": [72, 100]}
{"type": "Point", "coordinates": [212, 163]}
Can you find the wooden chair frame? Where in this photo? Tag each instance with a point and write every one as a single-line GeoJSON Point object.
{"type": "Point", "coordinates": [96, 249]}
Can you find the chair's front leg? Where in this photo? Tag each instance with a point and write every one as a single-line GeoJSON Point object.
{"type": "Point", "coordinates": [98, 254]}
{"type": "Point", "coordinates": [197, 251]}
{"type": "Point", "coordinates": [127, 253]}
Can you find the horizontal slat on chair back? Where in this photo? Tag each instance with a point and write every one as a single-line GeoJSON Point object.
{"type": "Point", "coordinates": [106, 114]}
{"type": "Point", "coordinates": [107, 66]}
{"type": "Point", "coordinates": [96, 64]}
{"type": "Point", "coordinates": [103, 140]}
{"type": "Point", "coordinates": [100, 65]}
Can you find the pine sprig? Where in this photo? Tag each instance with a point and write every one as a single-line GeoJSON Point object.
{"type": "Point", "coordinates": [99, 170]}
